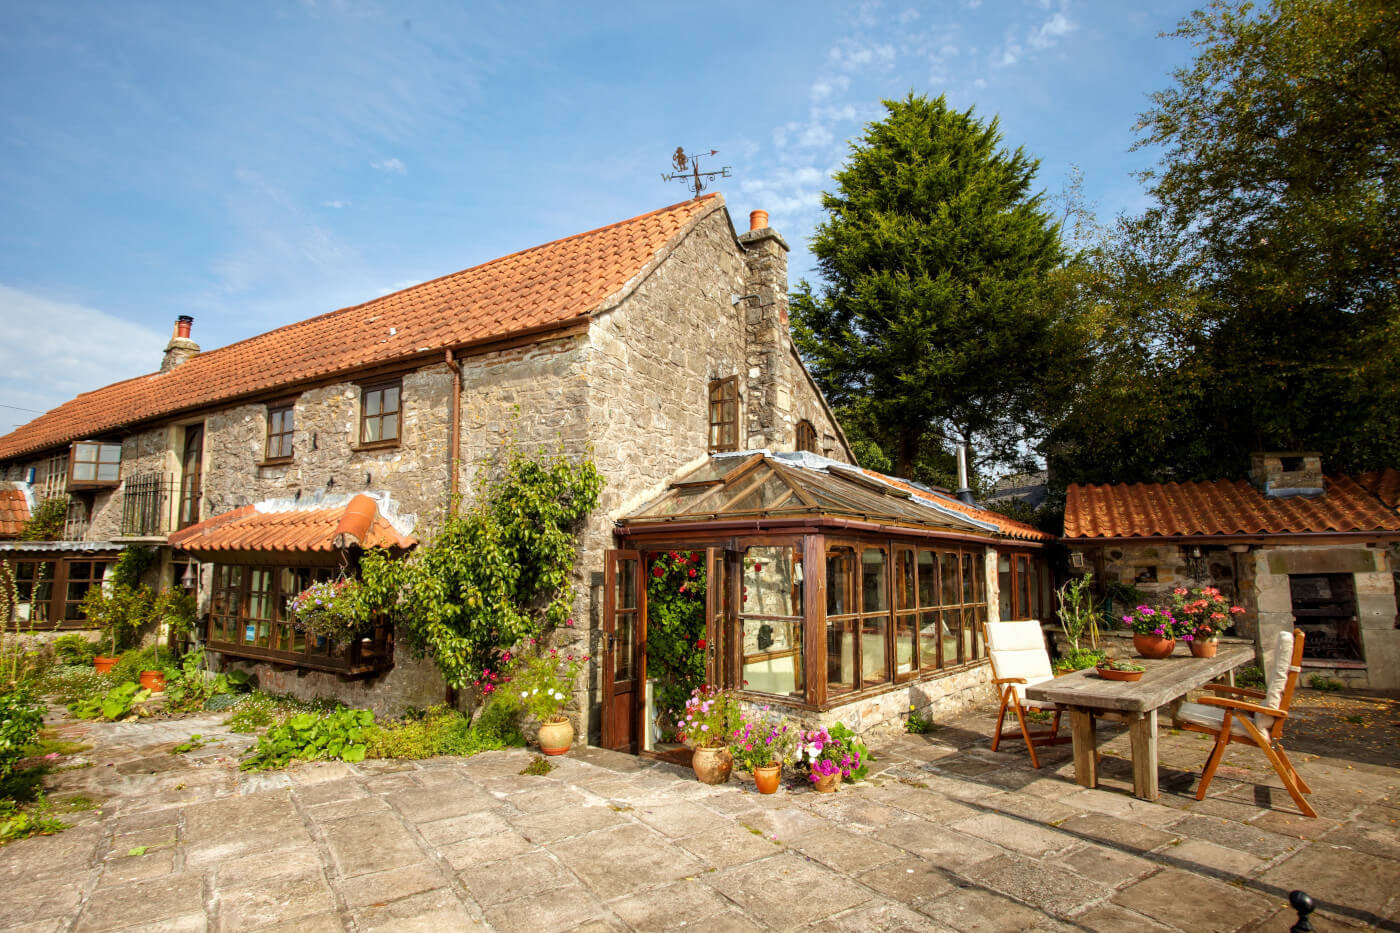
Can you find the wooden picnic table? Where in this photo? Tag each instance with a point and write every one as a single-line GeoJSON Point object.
{"type": "Point", "coordinates": [1088, 697]}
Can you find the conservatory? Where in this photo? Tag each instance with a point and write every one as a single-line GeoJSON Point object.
{"type": "Point", "coordinates": [832, 591]}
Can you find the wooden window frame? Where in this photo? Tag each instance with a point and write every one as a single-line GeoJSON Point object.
{"type": "Point", "coordinates": [799, 649]}
{"type": "Point", "coordinates": [859, 617]}
{"type": "Point", "coordinates": [807, 437]}
{"type": "Point", "coordinates": [57, 603]}
{"type": "Point", "coordinates": [95, 483]}
{"type": "Point", "coordinates": [723, 412]}
{"type": "Point", "coordinates": [380, 386]}
{"type": "Point", "coordinates": [191, 478]}
{"type": "Point", "coordinates": [1023, 566]}
{"type": "Point", "coordinates": [279, 440]}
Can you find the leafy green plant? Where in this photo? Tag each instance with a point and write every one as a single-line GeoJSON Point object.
{"type": "Point", "coordinates": [189, 687]}
{"type": "Point", "coordinates": [132, 564]}
{"type": "Point", "coordinates": [539, 766]}
{"type": "Point", "coordinates": [195, 741]}
{"type": "Point", "coordinates": [917, 724]}
{"type": "Point", "coordinates": [118, 703]}
{"type": "Point", "coordinates": [541, 684]}
{"type": "Point", "coordinates": [710, 716]}
{"type": "Point", "coordinates": [36, 819]}
{"type": "Point", "coordinates": [119, 610]}
{"type": "Point", "coordinates": [676, 629]}
{"type": "Point", "coordinates": [493, 576]}
{"type": "Point", "coordinates": [835, 750]}
{"type": "Point", "coordinates": [339, 734]}
{"type": "Point", "coordinates": [762, 740]}
{"type": "Point", "coordinates": [46, 524]}
{"type": "Point", "coordinates": [1251, 676]}
{"type": "Point", "coordinates": [335, 609]}
{"type": "Point", "coordinates": [1078, 659]}
{"type": "Point", "coordinates": [1078, 613]}
{"type": "Point", "coordinates": [133, 661]}
{"type": "Point", "coordinates": [1328, 684]}
{"type": "Point", "coordinates": [1118, 664]}
{"type": "Point", "coordinates": [438, 731]}
{"type": "Point", "coordinates": [20, 719]}
{"type": "Point", "coordinates": [74, 649]}
{"type": "Point", "coordinates": [178, 609]}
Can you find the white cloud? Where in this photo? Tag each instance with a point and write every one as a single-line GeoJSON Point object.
{"type": "Point", "coordinates": [852, 55]}
{"type": "Point", "coordinates": [57, 349]}
{"type": "Point", "coordinates": [335, 204]}
{"type": "Point", "coordinates": [389, 166]}
{"type": "Point", "coordinates": [1052, 30]}
{"type": "Point", "coordinates": [1009, 55]}
{"type": "Point", "coordinates": [908, 16]}
{"type": "Point", "coordinates": [824, 88]}
{"type": "Point", "coordinates": [399, 286]}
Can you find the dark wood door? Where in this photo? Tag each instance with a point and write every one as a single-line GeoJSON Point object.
{"type": "Point", "coordinates": [624, 624]}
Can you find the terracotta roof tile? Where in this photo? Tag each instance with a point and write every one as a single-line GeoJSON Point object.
{"type": "Point", "coordinates": [545, 286]}
{"type": "Point", "coordinates": [1007, 526]}
{"type": "Point", "coordinates": [1226, 507]}
{"type": "Point", "coordinates": [1383, 484]}
{"type": "Point", "coordinates": [14, 512]}
{"type": "Point", "coordinates": [255, 528]}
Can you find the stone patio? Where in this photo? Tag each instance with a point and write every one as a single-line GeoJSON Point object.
{"type": "Point", "coordinates": [945, 835]}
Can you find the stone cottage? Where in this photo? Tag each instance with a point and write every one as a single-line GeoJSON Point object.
{"type": "Point", "coordinates": [659, 346]}
{"type": "Point", "coordinates": [1295, 547]}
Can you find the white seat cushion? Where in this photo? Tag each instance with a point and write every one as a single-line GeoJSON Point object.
{"type": "Point", "coordinates": [1211, 717]}
{"type": "Point", "coordinates": [1277, 677]}
{"type": "Point", "coordinates": [1017, 649]}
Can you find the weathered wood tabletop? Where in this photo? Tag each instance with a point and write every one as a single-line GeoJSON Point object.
{"type": "Point", "coordinates": [1087, 696]}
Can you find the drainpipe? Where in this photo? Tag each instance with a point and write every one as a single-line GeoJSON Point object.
{"type": "Point", "coordinates": [454, 433]}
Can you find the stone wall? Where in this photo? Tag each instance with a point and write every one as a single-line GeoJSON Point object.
{"type": "Point", "coordinates": [1157, 569]}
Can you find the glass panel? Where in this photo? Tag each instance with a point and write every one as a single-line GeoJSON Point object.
{"type": "Point", "coordinates": [952, 623]}
{"type": "Point", "coordinates": [840, 656]}
{"type": "Point", "coordinates": [84, 472]}
{"type": "Point", "coordinates": [928, 580]}
{"type": "Point", "coordinates": [771, 582]}
{"type": "Point", "coordinates": [1005, 588]}
{"type": "Point", "coordinates": [86, 453]}
{"type": "Point", "coordinates": [906, 632]}
{"type": "Point", "coordinates": [391, 398]}
{"type": "Point", "coordinates": [371, 429]}
{"type": "Point", "coordinates": [80, 570]}
{"type": "Point", "coordinates": [981, 611]}
{"type": "Point", "coordinates": [948, 571]}
{"type": "Point", "coordinates": [904, 579]}
{"type": "Point", "coordinates": [873, 666]}
{"type": "Point", "coordinates": [929, 625]}
{"type": "Point", "coordinates": [1023, 586]}
{"type": "Point", "coordinates": [967, 584]}
{"type": "Point", "coordinates": [979, 576]}
{"type": "Point", "coordinates": [108, 472]}
{"type": "Point", "coordinates": [969, 632]}
{"type": "Point", "coordinates": [773, 656]}
{"type": "Point", "coordinates": [625, 635]}
{"type": "Point", "coordinates": [391, 427]}
{"type": "Point", "coordinates": [840, 581]}
{"type": "Point", "coordinates": [874, 597]}
{"type": "Point", "coordinates": [372, 400]}
{"type": "Point", "coordinates": [626, 584]}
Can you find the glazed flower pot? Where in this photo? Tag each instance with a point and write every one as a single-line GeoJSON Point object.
{"type": "Point", "coordinates": [555, 738]}
{"type": "Point", "coordinates": [827, 783]}
{"type": "Point", "coordinates": [153, 681]}
{"type": "Point", "coordinates": [712, 765]}
{"type": "Point", "coordinates": [1153, 647]}
{"type": "Point", "coordinates": [104, 665]}
{"type": "Point", "coordinates": [768, 778]}
{"type": "Point", "coordinates": [1204, 648]}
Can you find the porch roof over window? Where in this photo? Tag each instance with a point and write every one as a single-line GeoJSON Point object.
{"type": "Point", "coordinates": [283, 526]}
{"type": "Point", "coordinates": [765, 487]}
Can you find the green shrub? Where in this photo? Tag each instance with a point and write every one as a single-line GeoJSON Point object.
{"type": "Point", "coordinates": [917, 724]}
{"type": "Point", "coordinates": [498, 721]}
{"type": "Point", "coordinates": [74, 649]}
{"type": "Point", "coordinates": [46, 524]}
{"type": "Point", "coordinates": [20, 719]}
{"type": "Point", "coordinates": [17, 822]}
{"type": "Point", "coordinates": [1318, 682]}
{"type": "Point", "coordinates": [339, 734]}
{"type": "Point", "coordinates": [1078, 660]}
{"type": "Point", "coordinates": [118, 703]}
{"type": "Point", "coordinates": [438, 731]}
{"type": "Point", "coordinates": [119, 610]}
{"type": "Point", "coordinates": [1251, 676]}
{"type": "Point", "coordinates": [132, 662]}
{"type": "Point", "coordinates": [189, 687]}
{"type": "Point", "coordinates": [843, 734]}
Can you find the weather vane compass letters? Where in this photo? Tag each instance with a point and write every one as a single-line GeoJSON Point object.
{"type": "Point", "coordinates": [688, 171]}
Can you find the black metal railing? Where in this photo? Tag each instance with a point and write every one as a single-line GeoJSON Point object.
{"type": "Point", "coordinates": [148, 505]}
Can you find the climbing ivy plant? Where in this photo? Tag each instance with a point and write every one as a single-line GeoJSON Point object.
{"type": "Point", "coordinates": [494, 575]}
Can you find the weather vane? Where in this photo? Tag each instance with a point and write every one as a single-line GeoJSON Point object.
{"type": "Point", "coordinates": [688, 171]}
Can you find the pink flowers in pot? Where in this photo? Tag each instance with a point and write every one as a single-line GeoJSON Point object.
{"type": "Point", "coordinates": [1144, 620]}
{"type": "Point", "coordinates": [1203, 613]}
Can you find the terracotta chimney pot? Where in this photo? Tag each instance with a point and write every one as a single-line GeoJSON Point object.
{"type": "Point", "coordinates": [182, 326]}
{"type": "Point", "coordinates": [758, 220]}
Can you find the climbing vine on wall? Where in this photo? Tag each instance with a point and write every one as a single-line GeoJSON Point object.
{"type": "Point", "coordinates": [493, 575]}
{"type": "Point", "coordinates": [676, 628]}
{"type": "Point", "coordinates": [46, 524]}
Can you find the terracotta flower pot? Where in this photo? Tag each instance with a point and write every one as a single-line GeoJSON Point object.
{"type": "Point", "coordinates": [555, 738]}
{"type": "Point", "coordinates": [1152, 647]}
{"type": "Point", "coordinates": [768, 778]}
{"type": "Point", "coordinates": [153, 681]}
{"type": "Point", "coordinates": [827, 783]}
{"type": "Point", "coordinates": [104, 665]}
{"type": "Point", "coordinates": [1204, 648]}
{"type": "Point", "coordinates": [1108, 673]}
{"type": "Point", "coordinates": [712, 765]}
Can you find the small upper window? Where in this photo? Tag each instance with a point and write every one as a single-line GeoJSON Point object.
{"type": "Point", "coordinates": [807, 437]}
{"type": "Point", "coordinates": [279, 432]}
{"type": "Point", "coordinates": [95, 463]}
{"type": "Point", "coordinates": [379, 413]}
{"type": "Point", "coordinates": [724, 414]}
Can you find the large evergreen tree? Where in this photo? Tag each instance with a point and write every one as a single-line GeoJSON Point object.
{"type": "Point", "coordinates": [934, 324]}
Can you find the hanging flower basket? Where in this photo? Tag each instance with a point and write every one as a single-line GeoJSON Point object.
{"type": "Point", "coordinates": [332, 609]}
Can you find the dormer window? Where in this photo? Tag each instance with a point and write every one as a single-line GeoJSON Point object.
{"type": "Point", "coordinates": [94, 463]}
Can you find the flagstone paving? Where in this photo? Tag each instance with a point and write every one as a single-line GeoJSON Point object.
{"type": "Point", "coordinates": [944, 835]}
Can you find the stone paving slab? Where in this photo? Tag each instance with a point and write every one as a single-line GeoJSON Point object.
{"type": "Point", "coordinates": [944, 835]}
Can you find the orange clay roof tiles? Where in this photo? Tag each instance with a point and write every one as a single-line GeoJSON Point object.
{"type": "Point", "coordinates": [1007, 526]}
{"type": "Point", "coordinates": [1226, 507]}
{"type": "Point", "coordinates": [247, 529]}
{"type": "Point", "coordinates": [1383, 484]}
{"type": "Point", "coordinates": [539, 288]}
{"type": "Point", "coordinates": [14, 512]}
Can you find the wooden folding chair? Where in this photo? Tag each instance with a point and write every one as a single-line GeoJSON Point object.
{"type": "Point", "coordinates": [1233, 718]}
{"type": "Point", "coordinates": [1019, 660]}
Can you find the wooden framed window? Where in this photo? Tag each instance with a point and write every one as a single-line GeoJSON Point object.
{"type": "Point", "coordinates": [280, 423]}
{"type": "Point", "coordinates": [770, 621]}
{"type": "Point", "coordinates": [380, 411]}
{"type": "Point", "coordinates": [857, 618]}
{"type": "Point", "coordinates": [724, 414]}
{"type": "Point", "coordinates": [1018, 586]}
{"type": "Point", "coordinates": [192, 475]}
{"type": "Point", "coordinates": [94, 463]}
{"type": "Point", "coordinates": [51, 591]}
{"type": "Point", "coordinates": [52, 479]}
{"type": "Point", "coordinates": [34, 586]}
{"type": "Point", "coordinates": [807, 436]}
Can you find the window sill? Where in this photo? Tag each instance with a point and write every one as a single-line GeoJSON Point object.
{"type": "Point", "coordinates": [94, 484]}
{"type": "Point", "coordinates": [279, 461]}
{"type": "Point", "coordinates": [376, 445]}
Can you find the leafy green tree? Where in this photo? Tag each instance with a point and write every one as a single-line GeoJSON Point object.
{"type": "Point", "coordinates": [934, 324]}
{"type": "Point", "coordinates": [1256, 304]}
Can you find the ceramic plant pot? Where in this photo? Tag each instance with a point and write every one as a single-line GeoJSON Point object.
{"type": "Point", "coordinates": [768, 778]}
{"type": "Point", "coordinates": [1204, 648]}
{"type": "Point", "coordinates": [153, 681]}
{"type": "Point", "coordinates": [1152, 647]}
{"type": "Point", "coordinates": [827, 783]}
{"type": "Point", "coordinates": [1108, 673]}
{"type": "Point", "coordinates": [555, 738]}
{"type": "Point", "coordinates": [104, 665]}
{"type": "Point", "coordinates": [712, 765]}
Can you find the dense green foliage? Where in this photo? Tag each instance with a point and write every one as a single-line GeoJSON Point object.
{"type": "Point", "coordinates": [934, 324]}
{"type": "Point", "coordinates": [119, 609]}
{"type": "Point", "coordinates": [1254, 306]}
{"type": "Point", "coordinates": [493, 576]}
{"type": "Point", "coordinates": [20, 719]}
{"type": "Point", "coordinates": [74, 649]}
{"type": "Point", "coordinates": [539, 683]}
{"type": "Point", "coordinates": [178, 610]}
{"type": "Point", "coordinates": [46, 524]}
{"type": "Point", "coordinates": [122, 701]}
{"type": "Point", "coordinates": [440, 731]}
{"type": "Point", "coordinates": [338, 734]}
{"type": "Point", "coordinates": [676, 629]}
{"type": "Point", "coordinates": [132, 564]}
{"type": "Point", "coordinates": [189, 687]}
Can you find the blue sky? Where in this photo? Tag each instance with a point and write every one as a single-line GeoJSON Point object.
{"type": "Point", "coordinates": [255, 163]}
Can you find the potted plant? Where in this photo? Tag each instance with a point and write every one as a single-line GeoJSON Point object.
{"type": "Point", "coordinates": [831, 756]}
{"type": "Point", "coordinates": [118, 609]}
{"type": "Point", "coordinates": [541, 684]}
{"type": "Point", "coordinates": [762, 747]}
{"type": "Point", "coordinates": [710, 717]}
{"type": "Point", "coordinates": [332, 609]}
{"type": "Point", "coordinates": [1202, 615]}
{"type": "Point", "coordinates": [1120, 670]}
{"type": "Point", "coordinates": [1154, 631]}
{"type": "Point", "coordinates": [1078, 614]}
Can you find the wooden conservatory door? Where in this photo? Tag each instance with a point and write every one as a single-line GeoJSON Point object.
{"type": "Point", "coordinates": [624, 614]}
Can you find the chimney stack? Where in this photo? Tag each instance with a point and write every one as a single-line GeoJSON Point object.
{"type": "Point", "coordinates": [1282, 475]}
{"type": "Point", "coordinates": [768, 412]}
{"type": "Point", "coordinates": [964, 491]}
{"type": "Point", "coordinates": [181, 348]}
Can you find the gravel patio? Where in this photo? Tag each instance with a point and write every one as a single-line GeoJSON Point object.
{"type": "Point", "coordinates": [945, 835]}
